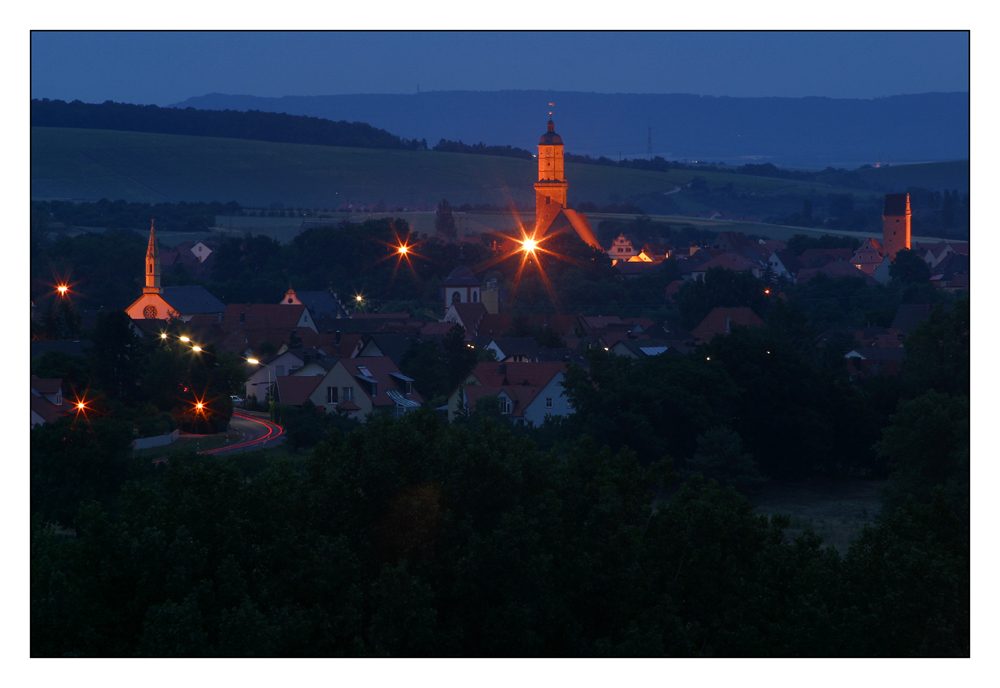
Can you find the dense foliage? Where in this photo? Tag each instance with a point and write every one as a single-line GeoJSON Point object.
{"type": "Point", "coordinates": [413, 538]}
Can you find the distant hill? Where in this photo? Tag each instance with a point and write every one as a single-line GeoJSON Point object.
{"type": "Point", "coordinates": [811, 133]}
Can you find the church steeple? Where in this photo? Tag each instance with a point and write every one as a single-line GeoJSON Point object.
{"type": "Point", "coordinates": [550, 190]}
{"type": "Point", "coordinates": [152, 263]}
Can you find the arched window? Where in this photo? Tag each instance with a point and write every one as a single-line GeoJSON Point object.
{"type": "Point", "coordinates": [475, 297]}
{"type": "Point", "coordinates": [456, 297]}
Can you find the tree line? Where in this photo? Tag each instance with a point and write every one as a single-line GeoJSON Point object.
{"type": "Point", "coordinates": [252, 125]}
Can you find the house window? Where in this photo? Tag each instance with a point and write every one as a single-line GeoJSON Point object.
{"type": "Point", "coordinates": [331, 395]}
{"type": "Point", "coordinates": [505, 406]}
{"type": "Point", "coordinates": [409, 388]}
{"type": "Point", "coordinates": [348, 394]}
{"type": "Point", "coordinates": [548, 402]}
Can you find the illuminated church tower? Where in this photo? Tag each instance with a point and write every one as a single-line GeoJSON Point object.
{"type": "Point", "coordinates": [152, 264]}
{"type": "Point", "coordinates": [895, 224]}
{"type": "Point", "coordinates": [551, 214]}
{"type": "Point", "coordinates": [550, 190]}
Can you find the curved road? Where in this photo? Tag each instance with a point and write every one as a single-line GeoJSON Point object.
{"type": "Point", "coordinates": [256, 433]}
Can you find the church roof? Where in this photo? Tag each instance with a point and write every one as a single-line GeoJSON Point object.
{"type": "Point", "coordinates": [191, 300]}
{"type": "Point", "coordinates": [461, 277]}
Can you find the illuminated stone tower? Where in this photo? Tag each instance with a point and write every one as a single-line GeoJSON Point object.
{"type": "Point", "coordinates": [550, 190]}
{"type": "Point", "coordinates": [895, 224]}
{"type": "Point", "coordinates": [152, 264]}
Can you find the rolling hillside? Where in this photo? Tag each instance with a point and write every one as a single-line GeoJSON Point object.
{"type": "Point", "coordinates": [90, 164]}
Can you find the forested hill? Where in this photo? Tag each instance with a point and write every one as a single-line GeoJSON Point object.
{"type": "Point", "coordinates": [253, 125]}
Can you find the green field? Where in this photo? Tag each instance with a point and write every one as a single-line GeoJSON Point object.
{"type": "Point", "coordinates": [88, 164]}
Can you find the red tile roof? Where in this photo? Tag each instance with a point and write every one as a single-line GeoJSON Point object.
{"type": "Point", "coordinates": [295, 389]}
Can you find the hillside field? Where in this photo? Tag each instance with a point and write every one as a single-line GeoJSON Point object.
{"type": "Point", "coordinates": [86, 164]}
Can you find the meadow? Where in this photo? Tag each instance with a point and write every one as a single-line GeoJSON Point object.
{"type": "Point", "coordinates": [88, 164]}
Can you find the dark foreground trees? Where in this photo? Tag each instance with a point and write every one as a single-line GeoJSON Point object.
{"type": "Point", "coordinates": [413, 538]}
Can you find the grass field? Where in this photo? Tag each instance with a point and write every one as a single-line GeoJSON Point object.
{"type": "Point", "coordinates": [92, 164]}
{"type": "Point", "coordinates": [836, 510]}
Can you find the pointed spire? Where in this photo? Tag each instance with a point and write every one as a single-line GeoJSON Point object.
{"type": "Point", "coordinates": [151, 250]}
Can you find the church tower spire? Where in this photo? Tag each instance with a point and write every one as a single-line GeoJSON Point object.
{"type": "Point", "coordinates": [152, 263]}
{"type": "Point", "coordinates": [550, 190]}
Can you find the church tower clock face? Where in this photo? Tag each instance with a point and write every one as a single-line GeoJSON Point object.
{"type": "Point", "coordinates": [149, 312]}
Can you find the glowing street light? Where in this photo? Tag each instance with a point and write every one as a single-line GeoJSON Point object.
{"type": "Point", "coordinates": [529, 245]}
{"type": "Point", "coordinates": [184, 338]}
{"type": "Point", "coordinates": [62, 289]}
{"type": "Point", "coordinates": [403, 250]}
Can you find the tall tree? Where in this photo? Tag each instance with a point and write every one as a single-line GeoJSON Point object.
{"type": "Point", "coordinates": [444, 221]}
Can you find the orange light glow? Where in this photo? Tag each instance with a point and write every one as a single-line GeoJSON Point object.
{"type": "Point", "coordinates": [62, 289]}
{"type": "Point", "coordinates": [403, 250]}
{"type": "Point", "coordinates": [185, 339]}
{"type": "Point", "coordinates": [163, 335]}
{"type": "Point", "coordinates": [196, 348]}
{"type": "Point", "coordinates": [529, 245]}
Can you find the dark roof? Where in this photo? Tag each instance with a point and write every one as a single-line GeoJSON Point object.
{"type": "Point", "coordinates": [514, 346]}
{"type": "Point", "coordinates": [550, 137]}
{"type": "Point", "coordinates": [896, 204]}
{"type": "Point", "coordinates": [321, 304]}
{"type": "Point", "coordinates": [191, 300]}
{"type": "Point", "coordinates": [391, 344]}
{"type": "Point", "coordinates": [461, 277]}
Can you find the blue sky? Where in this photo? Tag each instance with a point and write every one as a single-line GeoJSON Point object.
{"type": "Point", "coordinates": [163, 68]}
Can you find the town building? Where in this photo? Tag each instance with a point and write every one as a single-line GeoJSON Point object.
{"type": "Point", "coordinates": [896, 216]}
{"type": "Point", "coordinates": [164, 303]}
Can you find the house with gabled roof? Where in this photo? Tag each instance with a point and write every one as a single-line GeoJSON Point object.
{"type": "Point", "coordinates": [294, 390]}
{"type": "Point", "coordinates": [868, 257]}
{"type": "Point", "coordinates": [360, 386]}
{"type": "Point", "coordinates": [640, 348]}
{"type": "Point", "coordinates": [46, 400]}
{"type": "Point", "coordinates": [728, 261]}
{"type": "Point", "coordinates": [528, 392]}
{"type": "Point", "coordinates": [784, 263]}
{"type": "Point", "coordinates": [468, 315]}
{"type": "Point", "coordinates": [513, 349]}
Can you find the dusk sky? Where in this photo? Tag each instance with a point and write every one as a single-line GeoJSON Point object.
{"type": "Point", "coordinates": [163, 68]}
